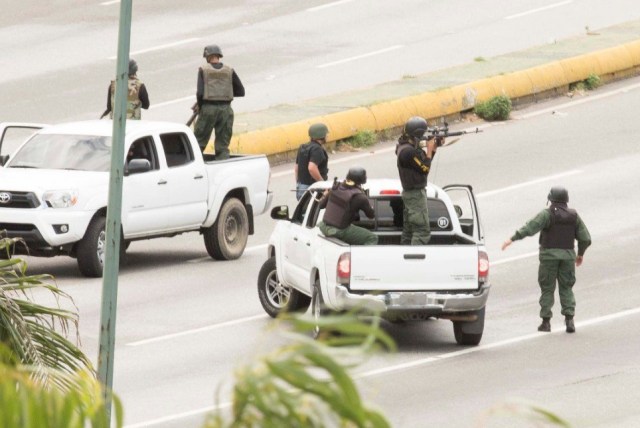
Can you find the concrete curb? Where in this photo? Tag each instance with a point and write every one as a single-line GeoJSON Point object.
{"type": "Point", "coordinates": [609, 64]}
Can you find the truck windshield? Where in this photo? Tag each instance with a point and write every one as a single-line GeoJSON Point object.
{"type": "Point", "coordinates": [56, 151]}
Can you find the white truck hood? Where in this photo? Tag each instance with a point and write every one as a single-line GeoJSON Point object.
{"type": "Point", "coordinates": [41, 180]}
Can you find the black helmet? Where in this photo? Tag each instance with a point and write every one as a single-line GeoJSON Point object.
{"type": "Point", "coordinates": [357, 174]}
{"type": "Point", "coordinates": [318, 131]}
{"type": "Point", "coordinates": [133, 67]}
{"type": "Point", "coordinates": [212, 50]}
{"type": "Point", "coordinates": [415, 127]}
{"type": "Point", "coordinates": [558, 194]}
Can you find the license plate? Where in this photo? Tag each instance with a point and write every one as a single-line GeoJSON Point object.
{"type": "Point", "coordinates": [412, 299]}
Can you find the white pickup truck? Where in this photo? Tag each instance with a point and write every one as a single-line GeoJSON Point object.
{"type": "Point", "coordinates": [54, 191]}
{"type": "Point", "coordinates": [448, 278]}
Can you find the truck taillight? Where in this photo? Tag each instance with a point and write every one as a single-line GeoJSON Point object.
{"type": "Point", "coordinates": [344, 269]}
{"type": "Point", "coordinates": [483, 267]}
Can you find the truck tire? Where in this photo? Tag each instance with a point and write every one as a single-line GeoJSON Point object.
{"type": "Point", "coordinates": [469, 333]}
{"type": "Point", "coordinates": [276, 297]}
{"type": "Point", "coordinates": [227, 237]}
{"type": "Point", "coordinates": [92, 249]}
{"type": "Point", "coordinates": [318, 308]}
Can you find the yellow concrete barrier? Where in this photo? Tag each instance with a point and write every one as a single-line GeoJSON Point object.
{"type": "Point", "coordinates": [347, 123]}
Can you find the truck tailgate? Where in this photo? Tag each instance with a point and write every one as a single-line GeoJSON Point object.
{"type": "Point", "coordinates": [417, 267]}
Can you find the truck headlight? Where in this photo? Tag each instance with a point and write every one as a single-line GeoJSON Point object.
{"type": "Point", "coordinates": [60, 198]}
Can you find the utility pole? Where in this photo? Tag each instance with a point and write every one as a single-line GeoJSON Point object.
{"type": "Point", "coordinates": [114, 211]}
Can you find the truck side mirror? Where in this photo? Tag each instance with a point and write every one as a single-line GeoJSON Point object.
{"type": "Point", "coordinates": [136, 166]}
{"type": "Point", "coordinates": [280, 212]}
{"type": "Point", "coordinates": [4, 159]}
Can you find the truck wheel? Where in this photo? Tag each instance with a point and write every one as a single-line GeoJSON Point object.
{"type": "Point", "coordinates": [318, 308]}
{"type": "Point", "coordinates": [92, 249]}
{"type": "Point", "coordinates": [227, 237]}
{"type": "Point", "coordinates": [276, 297]}
{"type": "Point", "coordinates": [469, 333]}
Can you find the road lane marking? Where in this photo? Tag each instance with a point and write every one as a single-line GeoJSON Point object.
{"type": "Point", "coordinates": [324, 6]}
{"type": "Point", "coordinates": [591, 97]}
{"type": "Point", "coordinates": [107, 3]}
{"type": "Point", "coordinates": [198, 330]}
{"type": "Point", "coordinates": [416, 363]}
{"type": "Point", "coordinates": [354, 58]}
{"type": "Point", "coordinates": [157, 48]}
{"type": "Point", "coordinates": [177, 100]}
{"type": "Point", "coordinates": [514, 258]}
{"type": "Point", "coordinates": [529, 183]}
{"type": "Point", "coordinates": [529, 12]}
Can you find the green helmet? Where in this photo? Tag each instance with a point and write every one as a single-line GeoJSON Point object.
{"type": "Point", "coordinates": [318, 131]}
{"type": "Point", "coordinates": [133, 67]}
{"type": "Point", "coordinates": [558, 194]}
{"type": "Point", "coordinates": [415, 127]}
{"type": "Point", "coordinates": [212, 50]}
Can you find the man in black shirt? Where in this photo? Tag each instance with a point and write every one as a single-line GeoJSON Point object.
{"type": "Point", "coordinates": [414, 163]}
{"type": "Point", "coordinates": [343, 203]}
{"type": "Point", "coordinates": [312, 159]}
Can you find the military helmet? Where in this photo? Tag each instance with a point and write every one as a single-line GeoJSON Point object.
{"type": "Point", "coordinates": [212, 50]}
{"type": "Point", "coordinates": [558, 194]}
{"type": "Point", "coordinates": [415, 127]}
{"type": "Point", "coordinates": [318, 131]}
{"type": "Point", "coordinates": [133, 67]}
{"type": "Point", "coordinates": [357, 174]}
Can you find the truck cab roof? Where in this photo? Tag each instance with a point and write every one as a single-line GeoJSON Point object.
{"type": "Point", "coordinates": [105, 127]}
{"type": "Point", "coordinates": [380, 187]}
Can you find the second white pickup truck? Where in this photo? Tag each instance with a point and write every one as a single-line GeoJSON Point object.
{"type": "Point", "coordinates": [448, 278]}
{"type": "Point", "coordinates": [54, 191]}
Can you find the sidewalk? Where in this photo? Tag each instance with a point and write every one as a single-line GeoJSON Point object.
{"type": "Point", "coordinates": [611, 53]}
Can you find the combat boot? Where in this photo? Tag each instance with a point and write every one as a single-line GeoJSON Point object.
{"type": "Point", "coordinates": [545, 326]}
{"type": "Point", "coordinates": [571, 327]}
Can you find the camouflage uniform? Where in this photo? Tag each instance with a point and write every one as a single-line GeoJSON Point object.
{"type": "Point", "coordinates": [137, 98]}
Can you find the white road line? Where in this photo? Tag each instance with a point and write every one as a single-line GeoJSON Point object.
{"type": "Point", "coordinates": [198, 330]}
{"type": "Point", "coordinates": [353, 58]}
{"type": "Point", "coordinates": [514, 258]}
{"type": "Point", "coordinates": [157, 48]}
{"type": "Point", "coordinates": [529, 183]}
{"type": "Point", "coordinates": [529, 12]}
{"type": "Point", "coordinates": [418, 362]}
{"type": "Point", "coordinates": [107, 3]}
{"type": "Point", "coordinates": [578, 102]}
{"type": "Point", "coordinates": [177, 100]}
{"type": "Point", "coordinates": [324, 6]}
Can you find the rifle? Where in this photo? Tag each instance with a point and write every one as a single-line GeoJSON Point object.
{"type": "Point", "coordinates": [194, 107]}
{"type": "Point", "coordinates": [106, 112]}
{"type": "Point", "coordinates": [442, 132]}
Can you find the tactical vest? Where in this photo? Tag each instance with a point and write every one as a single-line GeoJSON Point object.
{"type": "Point", "coordinates": [561, 233]}
{"type": "Point", "coordinates": [218, 83]}
{"type": "Point", "coordinates": [133, 98]}
{"type": "Point", "coordinates": [338, 213]}
{"type": "Point", "coordinates": [409, 177]}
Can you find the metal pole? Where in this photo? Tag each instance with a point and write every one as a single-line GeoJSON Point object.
{"type": "Point", "coordinates": [114, 208]}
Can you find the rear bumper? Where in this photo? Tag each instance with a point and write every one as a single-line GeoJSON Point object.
{"type": "Point", "coordinates": [427, 302]}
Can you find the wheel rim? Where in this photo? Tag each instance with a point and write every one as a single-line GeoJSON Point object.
{"type": "Point", "coordinates": [100, 246]}
{"type": "Point", "coordinates": [231, 228]}
{"type": "Point", "coordinates": [277, 293]}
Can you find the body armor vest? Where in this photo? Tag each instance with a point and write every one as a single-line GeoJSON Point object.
{"type": "Point", "coordinates": [561, 233]}
{"type": "Point", "coordinates": [133, 98]}
{"type": "Point", "coordinates": [218, 83]}
{"type": "Point", "coordinates": [338, 213]}
{"type": "Point", "coordinates": [409, 177]}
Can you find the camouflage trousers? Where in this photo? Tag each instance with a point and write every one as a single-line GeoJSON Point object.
{"type": "Point", "coordinates": [415, 227]}
{"type": "Point", "coordinates": [352, 235]}
{"type": "Point", "coordinates": [564, 272]}
{"type": "Point", "coordinates": [220, 118]}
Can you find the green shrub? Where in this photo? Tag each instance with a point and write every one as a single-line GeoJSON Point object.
{"type": "Point", "coordinates": [361, 139]}
{"type": "Point", "coordinates": [592, 82]}
{"type": "Point", "coordinates": [496, 108]}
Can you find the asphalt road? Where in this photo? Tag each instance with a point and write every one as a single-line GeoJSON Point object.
{"type": "Point", "coordinates": [58, 56]}
{"type": "Point", "coordinates": [185, 321]}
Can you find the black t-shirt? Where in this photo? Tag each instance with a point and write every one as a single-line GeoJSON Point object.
{"type": "Point", "coordinates": [311, 152]}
